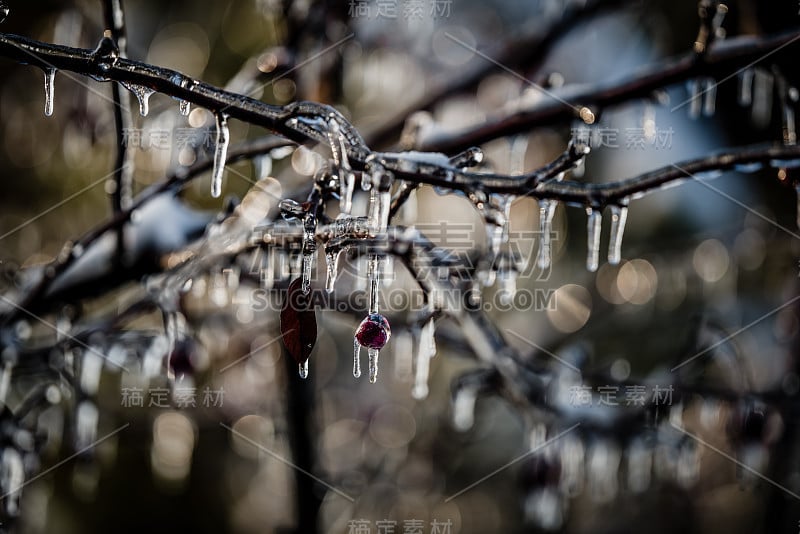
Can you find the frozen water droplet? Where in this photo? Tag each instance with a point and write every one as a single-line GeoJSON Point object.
{"type": "Point", "coordinates": [356, 358]}
{"type": "Point", "coordinates": [4, 11]}
{"type": "Point", "coordinates": [303, 369]}
{"type": "Point", "coordinates": [332, 260]}
{"type": "Point", "coordinates": [49, 88]}
{"type": "Point", "coordinates": [220, 154]}
{"type": "Point", "coordinates": [373, 364]}
{"type": "Point", "coordinates": [619, 214]}
{"type": "Point", "coordinates": [464, 408]}
{"type": "Point", "coordinates": [547, 209]}
{"type": "Point", "coordinates": [143, 95]}
{"type": "Point", "coordinates": [185, 107]}
{"type": "Point", "coordinates": [746, 87]}
{"type": "Point", "coordinates": [593, 238]}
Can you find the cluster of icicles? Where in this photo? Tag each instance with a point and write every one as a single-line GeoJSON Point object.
{"type": "Point", "coordinates": [374, 331]}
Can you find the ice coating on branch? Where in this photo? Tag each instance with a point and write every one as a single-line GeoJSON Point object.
{"type": "Point", "coordinates": [593, 226]}
{"type": "Point", "coordinates": [49, 88]}
{"type": "Point", "coordinates": [142, 94]}
{"type": "Point", "coordinates": [220, 153]}
{"type": "Point", "coordinates": [619, 215]}
{"type": "Point", "coordinates": [547, 209]}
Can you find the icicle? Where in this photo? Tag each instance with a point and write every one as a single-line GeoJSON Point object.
{"type": "Point", "coordinates": [185, 107]}
{"type": "Point", "coordinates": [428, 338]}
{"type": "Point", "coordinates": [380, 199]}
{"type": "Point", "coordinates": [373, 364]}
{"type": "Point", "coordinates": [789, 131]}
{"type": "Point", "coordinates": [220, 154]}
{"type": "Point", "coordinates": [695, 100]}
{"type": "Point", "coordinates": [464, 408]}
{"type": "Point", "coordinates": [547, 209]}
{"type": "Point", "coordinates": [746, 87]}
{"type": "Point", "coordinates": [420, 389]}
{"type": "Point", "coordinates": [356, 358]}
{"type": "Point", "coordinates": [797, 191]}
{"type": "Point", "coordinates": [5, 380]}
{"type": "Point", "coordinates": [688, 465]}
{"type": "Point", "coordinates": [640, 462]}
{"type": "Point", "coordinates": [619, 214]}
{"type": "Point", "coordinates": [331, 260]}
{"type": "Point", "coordinates": [49, 88]}
{"type": "Point", "coordinates": [143, 95]}
{"type": "Point", "coordinates": [572, 465]}
{"type": "Point", "coordinates": [593, 238]}
{"type": "Point", "coordinates": [508, 285]}
{"type": "Point", "coordinates": [267, 274]}
{"type": "Point", "coordinates": [603, 466]}
{"type": "Point", "coordinates": [303, 369]}
{"type": "Point", "coordinates": [308, 266]}
{"type": "Point", "coordinates": [425, 351]}
{"type": "Point", "coordinates": [762, 97]}
{"type": "Point", "coordinates": [710, 98]}
{"type": "Point", "coordinates": [347, 181]}
{"type": "Point", "coordinates": [544, 508]}
{"type": "Point", "coordinates": [13, 478]}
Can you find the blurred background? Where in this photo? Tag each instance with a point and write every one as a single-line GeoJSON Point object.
{"type": "Point", "coordinates": [708, 257]}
